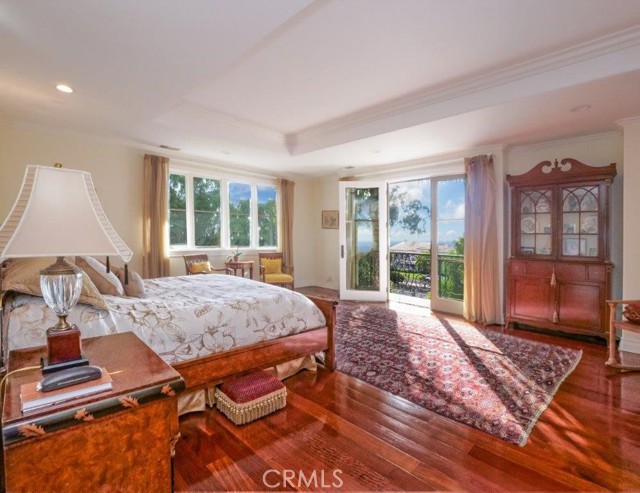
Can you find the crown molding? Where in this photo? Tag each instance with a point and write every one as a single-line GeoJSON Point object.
{"type": "Point", "coordinates": [308, 139]}
{"type": "Point", "coordinates": [569, 140]}
{"type": "Point", "coordinates": [64, 132]}
{"type": "Point", "coordinates": [194, 111]}
{"type": "Point", "coordinates": [628, 122]}
{"type": "Point", "coordinates": [190, 160]}
{"type": "Point", "coordinates": [438, 162]}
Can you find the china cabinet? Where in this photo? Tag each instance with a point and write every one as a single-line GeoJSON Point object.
{"type": "Point", "coordinates": [559, 273]}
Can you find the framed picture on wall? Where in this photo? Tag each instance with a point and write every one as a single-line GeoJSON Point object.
{"type": "Point", "coordinates": [329, 219]}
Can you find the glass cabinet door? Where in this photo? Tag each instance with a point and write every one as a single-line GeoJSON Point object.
{"type": "Point", "coordinates": [580, 222]}
{"type": "Point", "coordinates": [535, 222]}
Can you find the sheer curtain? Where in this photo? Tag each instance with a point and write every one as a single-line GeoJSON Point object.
{"type": "Point", "coordinates": [155, 227]}
{"type": "Point", "coordinates": [481, 275]}
{"type": "Point", "coordinates": [286, 221]}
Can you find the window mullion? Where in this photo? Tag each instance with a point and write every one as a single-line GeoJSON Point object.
{"type": "Point", "coordinates": [224, 210]}
{"type": "Point", "coordinates": [253, 221]}
{"type": "Point", "coordinates": [191, 239]}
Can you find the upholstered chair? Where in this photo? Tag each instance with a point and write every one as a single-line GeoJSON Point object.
{"type": "Point", "coordinates": [274, 271]}
{"type": "Point", "coordinates": [199, 264]}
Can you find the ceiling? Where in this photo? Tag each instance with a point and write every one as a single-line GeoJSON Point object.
{"type": "Point", "coordinates": [311, 87]}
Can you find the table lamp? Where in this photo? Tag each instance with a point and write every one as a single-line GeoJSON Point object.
{"type": "Point", "coordinates": [58, 214]}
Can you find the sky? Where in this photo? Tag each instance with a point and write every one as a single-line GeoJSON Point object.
{"type": "Point", "coordinates": [450, 210]}
{"type": "Point", "coordinates": [242, 191]}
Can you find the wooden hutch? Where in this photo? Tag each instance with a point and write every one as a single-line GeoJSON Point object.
{"type": "Point", "coordinates": [559, 273]}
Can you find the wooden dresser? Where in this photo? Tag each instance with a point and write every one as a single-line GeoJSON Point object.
{"type": "Point", "coordinates": [120, 440]}
{"type": "Point", "coordinates": [559, 273]}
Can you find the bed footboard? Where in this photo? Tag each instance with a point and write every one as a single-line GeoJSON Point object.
{"type": "Point", "coordinates": [215, 368]}
{"type": "Point", "coordinates": [328, 308]}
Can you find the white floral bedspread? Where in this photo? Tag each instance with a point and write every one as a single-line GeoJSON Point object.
{"type": "Point", "coordinates": [180, 318]}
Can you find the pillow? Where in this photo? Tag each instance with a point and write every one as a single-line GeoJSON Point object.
{"type": "Point", "coordinates": [23, 276]}
{"type": "Point", "coordinates": [135, 287]}
{"type": "Point", "coordinates": [200, 267]}
{"type": "Point", "coordinates": [272, 265]}
{"type": "Point", "coordinates": [106, 282]}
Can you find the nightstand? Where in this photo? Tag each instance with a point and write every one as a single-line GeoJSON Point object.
{"type": "Point", "coordinates": [242, 266]}
{"type": "Point", "coordinates": [120, 440]}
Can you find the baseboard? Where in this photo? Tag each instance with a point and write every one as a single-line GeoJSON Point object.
{"type": "Point", "coordinates": [630, 344]}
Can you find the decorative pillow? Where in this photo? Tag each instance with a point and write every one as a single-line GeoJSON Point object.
{"type": "Point", "coordinates": [632, 313]}
{"type": "Point", "coordinates": [272, 265]}
{"type": "Point", "coordinates": [106, 282]}
{"type": "Point", "coordinates": [135, 287]}
{"type": "Point", "coordinates": [200, 267]}
{"type": "Point", "coordinates": [23, 276]}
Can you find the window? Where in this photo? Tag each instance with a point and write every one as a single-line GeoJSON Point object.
{"type": "Point", "coordinates": [267, 217]}
{"type": "Point", "coordinates": [216, 212]}
{"type": "Point", "coordinates": [177, 210]}
{"type": "Point", "coordinates": [239, 214]}
{"type": "Point", "coordinates": [206, 210]}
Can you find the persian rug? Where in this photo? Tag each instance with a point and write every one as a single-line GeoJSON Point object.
{"type": "Point", "coordinates": [497, 383]}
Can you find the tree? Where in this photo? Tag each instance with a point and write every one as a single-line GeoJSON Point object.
{"type": "Point", "coordinates": [415, 214]}
{"type": "Point", "coordinates": [267, 223]}
{"type": "Point", "coordinates": [177, 210]}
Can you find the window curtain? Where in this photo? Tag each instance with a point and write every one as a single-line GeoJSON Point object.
{"type": "Point", "coordinates": [286, 221]}
{"type": "Point", "coordinates": [155, 234]}
{"type": "Point", "coordinates": [481, 286]}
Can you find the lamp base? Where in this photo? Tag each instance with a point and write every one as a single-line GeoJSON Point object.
{"type": "Point", "coordinates": [63, 348]}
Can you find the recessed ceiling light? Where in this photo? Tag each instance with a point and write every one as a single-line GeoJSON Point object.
{"type": "Point", "coordinates": [64, 88]}
{"type": "Point", "coordinates": [375, 151]}
{"type": "Point", "coordinates": [581, 108]}
{"type": "Point", "coordinates": [349, 167]}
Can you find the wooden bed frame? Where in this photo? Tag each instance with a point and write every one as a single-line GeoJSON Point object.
{"type": "Point", "coordinates": [215, 368]}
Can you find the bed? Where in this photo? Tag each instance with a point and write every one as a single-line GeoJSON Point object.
{"type": "Point", "coordinates": [208, 327]}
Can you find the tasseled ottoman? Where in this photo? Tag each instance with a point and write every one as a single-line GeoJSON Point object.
{"type": "Point", "coordinates": [251, 397]}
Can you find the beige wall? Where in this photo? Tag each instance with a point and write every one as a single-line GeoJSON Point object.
{"type": "Point", "coordinates": [117, 174]}
{"type": "Point", "coordinates": [328, 240]}
{"type": "Point", "coordinates": [631, 219]}
{"type": "Point", "coordinates": [116, 171]}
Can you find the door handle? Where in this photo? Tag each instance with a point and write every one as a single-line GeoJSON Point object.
{"type": "Point", "coordinates": [341, 251]}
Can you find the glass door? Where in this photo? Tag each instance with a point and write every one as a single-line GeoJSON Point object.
{"type": "Point", "coordinates": [410, 242]}
{"type": "Point", "coordinates": [363, 241]}
{"type": "Point", "coordinates": [447, 232]}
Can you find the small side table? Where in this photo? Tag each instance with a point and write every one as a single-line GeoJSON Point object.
{"type": "Point", "coordinates": [242, 266]}
{"type": "Point", "coordinates": [120, 440]}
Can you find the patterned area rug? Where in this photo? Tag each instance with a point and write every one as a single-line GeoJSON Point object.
{"type": "Point", "coordinates": [497, 383]}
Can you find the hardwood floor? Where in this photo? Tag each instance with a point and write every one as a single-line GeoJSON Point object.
{"type": "Point", "coordinates": [588, 439]}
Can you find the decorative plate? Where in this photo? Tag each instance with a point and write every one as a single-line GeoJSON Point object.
{"type": "Point", "coordinates": [589, 225]}
{"type": "Point", "coordinates": [589, 203]}
{"type": "Point", "coordinates": [543, 206]}
{"type": "Point", "coordinates": [528, 225]}
{"type": "Point", "coordinates": [571, 204]}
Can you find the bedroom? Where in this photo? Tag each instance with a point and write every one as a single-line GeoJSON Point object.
{"type": "Point", "coordinates": [389, 127]}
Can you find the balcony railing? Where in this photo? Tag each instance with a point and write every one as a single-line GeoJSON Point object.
{"type": "Point", "coordinates": [410, 274]}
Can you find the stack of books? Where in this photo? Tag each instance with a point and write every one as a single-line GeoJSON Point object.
{"type": "Point", "coordinates": [33, 399]}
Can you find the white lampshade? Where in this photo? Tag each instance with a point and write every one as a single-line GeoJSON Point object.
{"type": "Point", "coordinates": [57, 214]}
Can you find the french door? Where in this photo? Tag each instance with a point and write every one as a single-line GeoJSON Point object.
{"type": "Point", "coordinates": [363, 241]}
{"type": "Point", "coordinates": [414, 245]}
{"type": "Point", "coordinates": [447, 230]}
{"type": "Point", "coordinates": [426, 242]}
